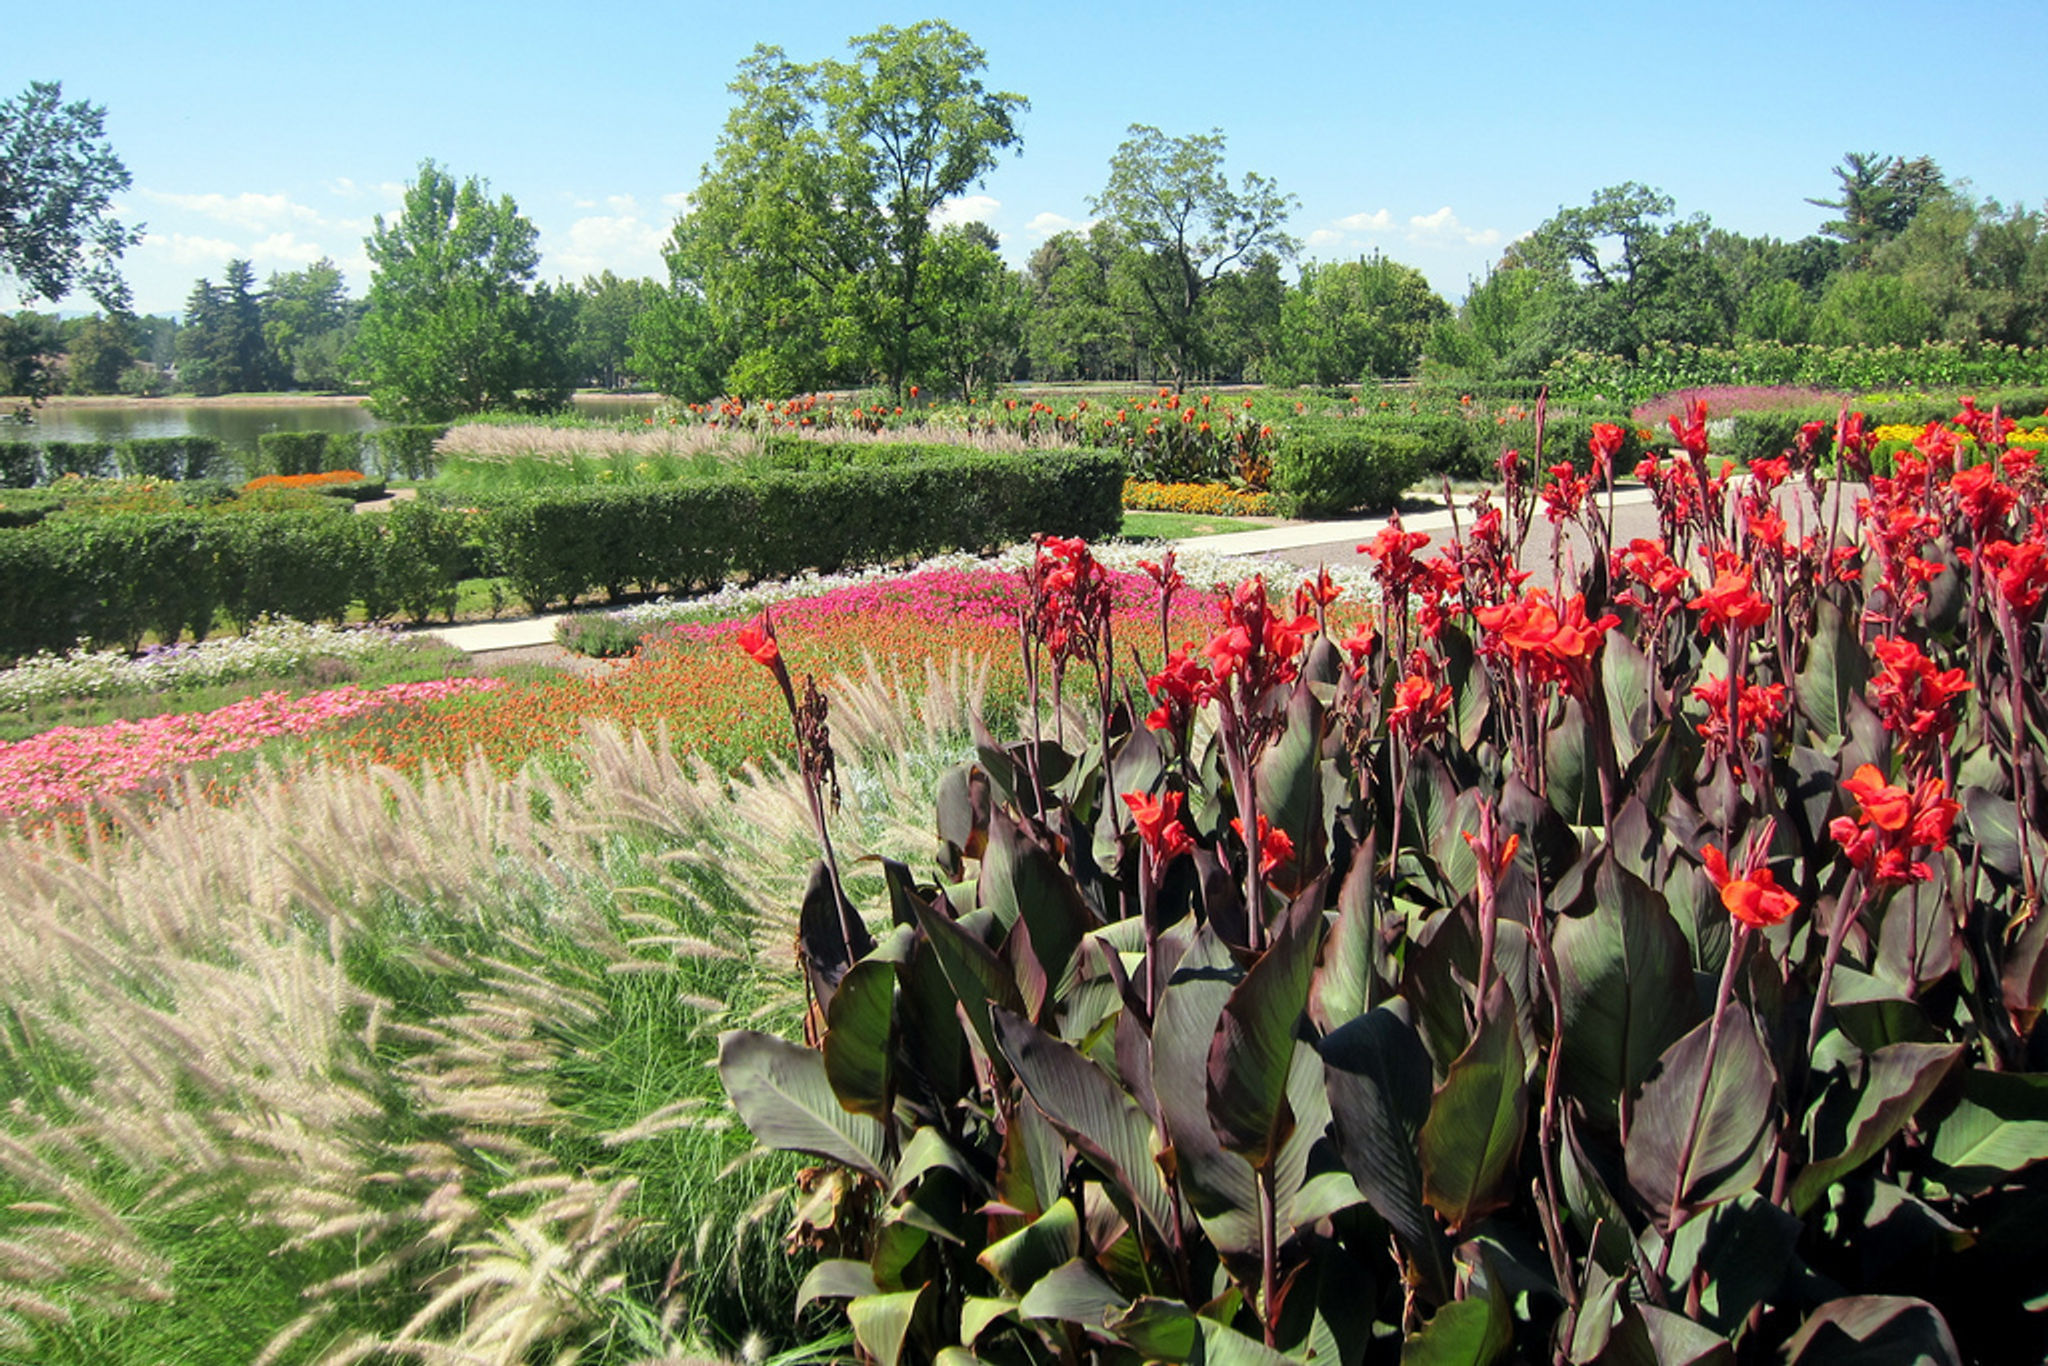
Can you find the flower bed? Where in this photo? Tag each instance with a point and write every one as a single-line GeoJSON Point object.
{"type": "Point", "coordinates": [1213, 500]}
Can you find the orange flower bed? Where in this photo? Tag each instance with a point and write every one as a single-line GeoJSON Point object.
{"type": "Point", "coordinates": [305, 481]}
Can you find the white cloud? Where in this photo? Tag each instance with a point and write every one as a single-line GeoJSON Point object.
{"type": "Point", "coordinates": [187, 250]}
{"type": "Point", "coordinates": [679, 201]}
{"type": "Point", "coordinates": [973, 208]}
{"type": "Point", "coordinates": [1052, 224]}
{"type": "Point", "coordinates": [1377, 221]}
{"type": "Point", "coordinates": [246, 210]}
{"type": "Point", "coordinates": [625, 244]}
{"type": "Point", "coordinates": [284, 251]}
{"type": "Point", "coordinates": [389, 191]}
{"type": "Point", "coordinates": [1324, 237]}
{"type": "Point", "coordinates": [1443, 226]}
{"type": "Point", "coordinates": [622, 204]}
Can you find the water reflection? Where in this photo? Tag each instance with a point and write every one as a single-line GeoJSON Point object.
{"type": "Point", "coordinates": [237, 426]}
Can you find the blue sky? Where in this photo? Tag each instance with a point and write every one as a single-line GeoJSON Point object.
{"type": "Point", "coordinates": [1436, 133]}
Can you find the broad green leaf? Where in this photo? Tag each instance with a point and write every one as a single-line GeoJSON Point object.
{"type": "Point", "coordinates": [1158, 1329]}
{"type": "Point", "coordinates": [1625, 680]}
{"type": "Point", "coordinates": [1051, 1240]}
{"type": "Point", "coordinates": [1474, 1131]}
{"type": "Point", "coordinates": [977, 1313]}
{"type": "Point", "coordinates": [1999, 1127]}
{"type": "Point", "coordinates": [1573, 781]}
{"type": "Point", "coordinates": [1219, 1185]}
{"type": "Point", "coordinates": [882, 1323]}
{"type": "Point", "coordinates": [1225, 1346]}
{"type": "Point", "coordinates": [1289, 780]}
{"type": "Point", "coordinates": [856, 1046]}
{"type": "Point", "coordinates": [1468, 1332]}
{"type": "Point", "coordinates": [1874, 1330]}
{"type": "Point", "coordinates": [1471, 686]}
{"type": "Point", "coordinates": [976, 974]}
{"type": "Point", "coordinates": [1074, 1292]}
{"type": "Point", "coordinates": [1091, 1110]}
{"type": "Point", "coordinates": [1862, 1107]}
{"type": "Point", "coordinates": [1837, 669]}
{"type": "Point", "coordinates": [1625, 977]}
{"type": "Point", "coordinates": [837, 1278]}
{"type": "Point", "coordinates": [1254, 1044]}
{"type": "Point", "coordinates": [786, 1101]}
{"type": "Point", "coordinates": [1678, 1341]}
{"type": "Point", "coordinates": [1019, 879]}
{"type": "Point", "coordinates": [1346, 985]}
{"type": "Point", "coordinates": [1379, 1078]}
{"type": "Point", "coordinates": [1740, 1254]}
{"type": "Point", "coordinates": [1726, 1152]}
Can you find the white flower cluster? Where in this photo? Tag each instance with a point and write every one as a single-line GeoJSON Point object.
{"type": "Point", "coordinates": [274, 647]}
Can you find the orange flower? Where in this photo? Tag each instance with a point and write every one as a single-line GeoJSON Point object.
{"type": "Point", "coordinates": [1158, 822]}
{"type": "Point", "coordinates": [757, 638]}
{"type": "Point", "coordinates": [1755, 898]}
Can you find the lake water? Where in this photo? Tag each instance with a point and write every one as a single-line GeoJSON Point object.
{"type": "Point", "coordinates": [237, 426]}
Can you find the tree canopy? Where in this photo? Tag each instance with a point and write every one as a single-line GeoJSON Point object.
{"type": "Point", "coordinates": [1169, 197]}
{"type": "Point", "coordinates": [455, 323]}
{"type": "Point", "coordinates": [809, 235]}
{"type": "Point", "coordinates": [58, 179]}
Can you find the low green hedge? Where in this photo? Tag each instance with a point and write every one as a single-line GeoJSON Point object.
{"type": "Point", "coordinates": [170, 457]}
{"type": "Point", "coordinates": [558, 545]}
{"type": "Point", "coordinates": [1327, 469]}
{"type": "Point", "coordinates": [20, 464]}
{"type": "Point", "coordinates": [93, 459]}
{"type": "Point", "coordinates": [111, 578]}
{"type": "Point", "coordinates": [406, 451]}
{"type": "Point", "coordinates": [1569, 437]}
{"type": "Point", "coordinates": [292, 452]}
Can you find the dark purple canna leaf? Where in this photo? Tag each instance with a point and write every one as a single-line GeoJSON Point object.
{"type": "Point", "coordinates": [1474, 1132]}
{"type": "Point", "coordinates": [1672, 1159]}
{"type": "Point", "coordinates": [1874, 1330]}
{"type": "Point", "coordinates": [859, 1035]}
{"type": "Point", "coordinates": [1246, 1080]}
{"type": "Point", "coordinates": [786, 1102]}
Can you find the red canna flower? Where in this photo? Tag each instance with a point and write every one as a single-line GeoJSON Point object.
{"type": "Point", "coordinates": [1755, 898]}
{"type": "Point", "coordinates": [1419, 708]}
{"type": "Point", "coordinates": [1892, 824]}
{"type": "Point", "coordinates": [757, 638]}
{"type": "Point", "coordinates": [1730, 603]}
{"type": "Point", "coordinates": [1913, 697]}
{"type": "Point", "coordinates": [1692, 432]}
{"type": "Point", "coordinates": [1605, 443]}
{"type": "Point", "coordinates": [1159, 825]}
{"type": "Point", "coordinates": [2019, 571]}
{"type": "Point", "coordinates": [1276, 848]}
{"type": "Point", "coordinates": [1558, 647]}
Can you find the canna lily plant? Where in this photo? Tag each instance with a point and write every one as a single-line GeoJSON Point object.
{"type": "Point", "coordinates": [1647, 968]}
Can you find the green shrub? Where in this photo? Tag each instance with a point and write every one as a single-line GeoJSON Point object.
{"type": "Point", "coordinates": [1452, 445]}
{"type": "Point", "coordinates": [293, 452]}
{"type": "Point", "coordinates": [407, 451]}
{"type": "Point", "coordinates": [420, 560]}
{"type": "Point", "coordinates": [557, 545]}
{"type": "Point", "coordinates": [345, 451]}
{"type": "Point", "coordinates": [305, 565]}
{"type": "Point", "coordinates": [1328, 469]}
{"type": "Point", "coordinates": [1566, 438]}
{"type": "Point", "coordinates": [170, 457]}
{"type": "Point", "coordinates": [92, 459]}
{"type": "Point", "coordinates": [19, 464]}
{"type": "Point", "coordinates": [598, 635]}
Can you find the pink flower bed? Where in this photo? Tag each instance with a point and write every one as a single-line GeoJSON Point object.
{"type": "Point", "coordinates": [64, 766]}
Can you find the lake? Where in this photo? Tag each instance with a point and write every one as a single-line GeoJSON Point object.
{"type": "Point", "coordinates": [237, 425]}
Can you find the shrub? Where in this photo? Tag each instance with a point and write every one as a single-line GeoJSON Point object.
{"type": "Point", "coordinates": [406, 451]}
{"type": "Point", "coordinates": [1567, 437]}
{"type": "Point", "coordinates": [292, 452]}
{"type": "Point", "coordinates": [306, 565]}
{"type": "Point", "coordinates": [557, 545]}
{"type": "Point", "coordinates": [420, 560]}
{"type": "Point", "coordinates": [89, 459]}
{"type": "Point", "coordinates": [170, 457]}
{"type": "Point", "coordinates": [1328, 469]}
{"type": "Point", "coordinates": [598, 635]}
{"type": "Point", "coordinates": [19, 464]}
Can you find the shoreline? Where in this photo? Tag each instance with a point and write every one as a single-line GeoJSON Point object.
{"type": "Point", "coordinates": [58, 402]}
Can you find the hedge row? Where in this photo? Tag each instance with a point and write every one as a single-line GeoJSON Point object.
{"type": "Point", "coordinates": [112, 579]}
{"type": "Point", "coordinates": [1757, 436]}
{"type": "Point", "coordinates": [108, 580]}
{"type": "Point", "coordinates": [559, 545]}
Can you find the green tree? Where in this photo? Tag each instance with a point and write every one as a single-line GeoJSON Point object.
{"type": "Point", "coordinates": [978, 307]}
{"type": "Point", "coordinates": [1074, 330]}
{"type": "Point", "coordinates": [809, 233]}
{"type": "Point", "coordinates": [1866, 308]}
{"type": "Point", "coordinates": [1351, 319]}
{"type": "Point", "coordinates": [100, 349]}
{"type": "Point", "coordinates": [1171, 199]}
{"type": "Point", "coordinates": [58, 179]}
{"type": "Point", "coordinates": [201, 368]}
{"type": "Point", "coordinates": [1880, 196]}
{"type": "Point", "coordinates": [29, 345]}
{"type": "Point", "coordinates": [455, 323]}
{"type": "Point", "coordinates": [606, 308]}
{"type": "Point", "coordinates": [308, 320]}
{"type": "Point", "coordinates": [1624, 280]}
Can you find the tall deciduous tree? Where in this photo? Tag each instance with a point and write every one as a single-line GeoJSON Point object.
{"type": "Point", "coordinates": [307, 319]}
{"type": "Point", "coordinates": [455, 323]}
{"type": "Point", "coordinates": [810, 233]}
{"type": "Point", "coordinates": [1353, 319]}
{"type": "Point", "coordinates": [58, 179]}
{"type": "Point", "coordinates": [1171, 199]}
{"type": "Point", "coordinates": [978, 307]}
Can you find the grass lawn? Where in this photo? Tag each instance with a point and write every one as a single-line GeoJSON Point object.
{"type": "Point", "coordinates": [1175, 526]}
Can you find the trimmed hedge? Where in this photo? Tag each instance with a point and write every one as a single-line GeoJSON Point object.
{"type": "Point", "coordinates": [1568, 437]}
{"type": "Point", "coordinates": [92, 459]}
{"type": "Point", "coordinates": [407, 451]}
{"type": "Point", "coordinates": [558, 545]}
{"type": "Point", "coordinates": [19, 464]}
{"type": "Point", "coordinates": [292, 452]}
{"type": "Point", "coordinates": [111, 578]}
{"type": "Point", "coordinates": [1328, 469]}
{"type": "Point", "coordinates": [170, 457]}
